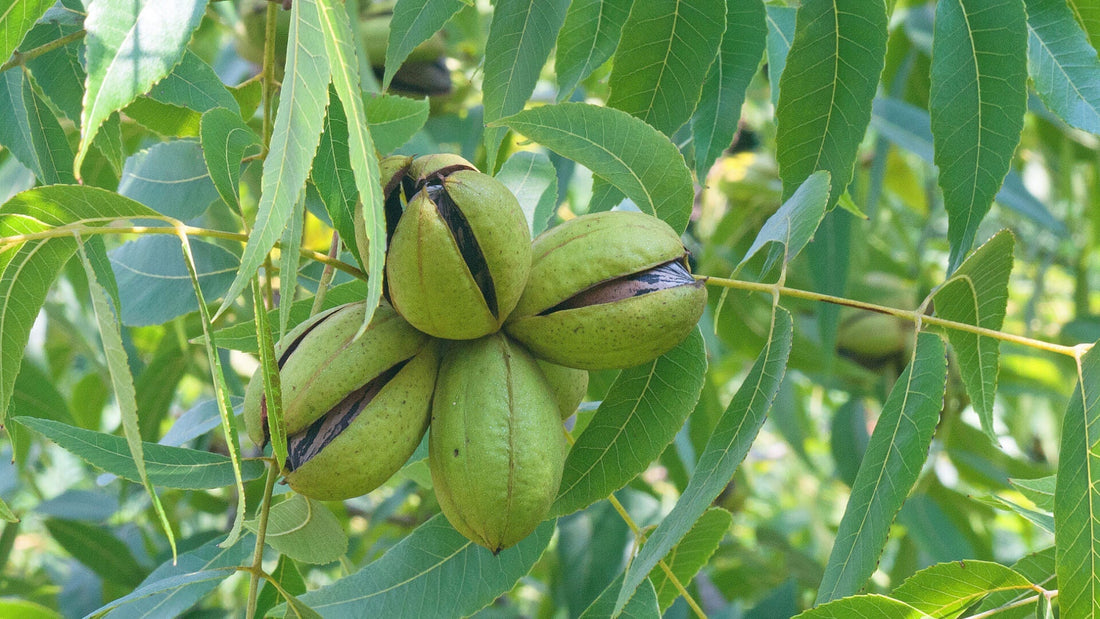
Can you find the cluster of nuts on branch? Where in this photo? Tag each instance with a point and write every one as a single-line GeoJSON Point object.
{"type": "Point", "coordinates": [486, 339]}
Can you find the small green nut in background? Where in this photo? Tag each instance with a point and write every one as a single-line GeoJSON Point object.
{"type": "Point", "coordinates": [459, 258]}
{"type": "Point", "coordinates": [569, 386]}
{"type": "Point", "coordinates": [608, 290]}
{"type": "Point", "coordinates": [496, 447]}
{"type": "Point", "coordinates": [356, 406]}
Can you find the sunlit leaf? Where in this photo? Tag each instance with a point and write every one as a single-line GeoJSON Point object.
{"type": "Point", "coordinates": [825, 92]}
{"type": "Point", "coordinates": [793, 225]}
{"type": "Point", "coordinates": [665, 52]}
{"type": "Point", "coordinates": [1038, 567]}
{"type": "Point", "coordinates": [339, 45]}
{"type": "Point", "coordinates": [728, 445]}
{"type": "Point", "coordinates": [520, 39]}
{"type": "Point", "coordinates": [393, 119]}
{"type": "Point", "coordinates": [643, 605]}
{"type": "Point", "coordinates": [1077, 495]}
{"type": "Point", "coordinates": [294, 140]}
{"type": "Point", "coordinates": [29, 267]}
{"type": "Point", "coordinates": [977, 294]}
{"type": "Point", "coordinates": [634, 157]}
{"type": "Point", "coordinates": [130, 45]}
{"type": "Point", "coordinates": [897, 450]}
{"type": "Point", "coordinates": [947, 589]}
{"type": "Point", "coordinates": [16, 19]}
{"type": "Point", "coordinates": [1039, 491]}
{"type": "Point", "coordinates": [877, 606]}
{"type": "Point", "coordinates": [978, 98]}
{"type": "Point", "coordinates": [639, 417]}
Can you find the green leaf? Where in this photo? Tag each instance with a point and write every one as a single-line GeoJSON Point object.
{"type": "Point", "coordinates": [520, 39]}
{"type": "Point", "coordinates": [289, 262]}
{"type": "Point", "coordinates": [534, 181]}
{"type": "Point", "coordinates": [947, 589]}
{"type": "Point", "coordinates": [781, 23]}
{"type": "Point", "coordinates": [978, 98]}
{"type": "Point", "coordinates": [1038, 567]}
{"type": "Point", "coordinates": [25, 609]}
{"type": "Point", "coordinates": [794, 224]}
{"type": "Point", "coordinates": [826, 89]}
{"type": "Point", "coordinates": [728, 445]}
{"type": "Point", "coordinates": [910, 128]}
{"type": "Point", "coordinates": [304, 530]}
{"type": "Point", "coordinates": [897, 450]}
{"type": "Point", "coordinates": [1077, 495]}
{"type": "Point", "coordinates": [619, 148]}
{"type": "Point", "coordinates": [332, 176]}
{"type": "Point", "coordinates": [175, 586]}
{"type": "Point", "coordinates": [1039, 491]}
{"type": "Point", "coordinates": [242, 335]}
{"type": "Point", "coordinates": [716, 118]}
{"type": "Point", "coordinates": [1043, 520]}
{"type": "Point", "coordinates": [6, 514]}
{"type": "Point", "coordinates": [1062, 64]}
{"type": "Point", "coordinates": [170, 467]}
{"type": "Point", "coordinates": [225, 141]}
{"type": "Point", "coordinates": [877, 606]}
{"type": "Point", "coordinates": [1087, 13]}
{"type": "Point", "coordinates": [394, 120]}
{"type": "Point", "coordinates": [691, 554]}
{"type": "Point", "coordinates": [98, 549]}
{"type": "Point", "coordinates": [28, 268]}
{"type": "Point", "coordinates": [194, 85]}
{"type": "Point", "coordinates": [153, 283]}
{"type": "Point", "coordinates": [639, 417]}
{"type": "Point", "coordinates": [16, 19]}
{"type": "Point", "coordinates": [58, 72]}
{"type": "Point", "coordinates": [289, 577]}
{"type": "Point", "coordinates": [413, 22]}
{"type": "Point", "coordinates": [339, 44]}
{"type": "Point", "coordinates": [643, 605]}
{"type": "Point", "coordinates": [294, 140]}
{"type": "Point", "coordinates": [120, 31]}
{"type": "Point", "coordinates": [666, 49]}
{"type": "Point", "coordinates": [31, 131]}
{"type": "Point", "coordinates": [587, 40]}
{"type": "Point", "coordinates": [977, 294]}
{"type": "Point", "coordinates": [170, 178]}
{"type": "Point", "coordinates": [432, 572]}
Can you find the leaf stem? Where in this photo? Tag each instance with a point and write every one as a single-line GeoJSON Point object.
{"type": "Point", "coordinates": [916, 316]}
{"type": "Point", "coordinates": [19, 58]}
{"type": "Point", "coordinates": [326, 275]}
{"type": "Point", "coordinates": [637, 534]}
{"type": "Point", "coordinates": [269, 74]}
{"type": "Point", "coordinates": [82, 228]}
{"type": "Point", "coordinates": [256, 572]}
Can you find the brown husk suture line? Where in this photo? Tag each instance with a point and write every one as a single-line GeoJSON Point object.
{"type": "Point", "coordinates": [298, 340]}
{"type": "Point", "coordinates": [309, 442]}
{"type": "Point", "coordinates": [661, 277]}
{"type": "Point", "coordinates": [467, 243]}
